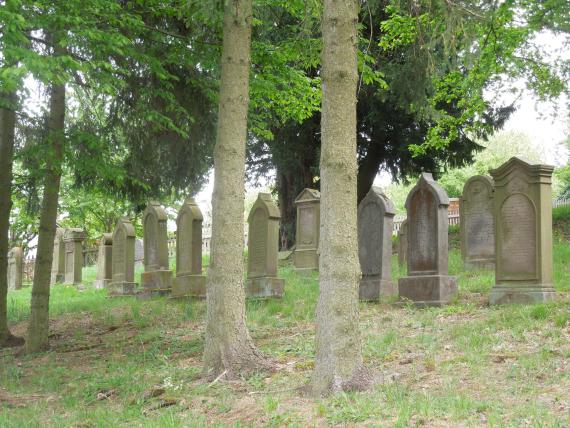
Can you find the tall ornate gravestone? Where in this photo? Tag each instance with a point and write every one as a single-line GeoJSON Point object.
{"type": "Point", "coordinates": [428, 282]}
{"type": "Point", "coordinates": [157, 277]}
{"type": "Point", "coordinates": [263, 245]}
{"type": "Point", "coordinates": [15, 256]}
{"type": "Point", "coordinates": [123, 259]}
{"type": "Point", "coordinates": [58, 263]}
{"type": "Point", "coordinates": [189, 280]}
{"type": "Point", "coordinates": [477, 223]}
{"type": "Point", "coordinates": [403, 243]}
{"type": "Point", "coordinates": [375, 224]}
{"type": "Point", "coordinates": [73, 240]}
{"type": "Point", "coordinates": [104, 262]}
{"type": "Point", "coordinates": [306, 255]}
{"type": "Point", "coordinates": [523, 233]}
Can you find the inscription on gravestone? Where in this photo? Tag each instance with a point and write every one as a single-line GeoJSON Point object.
{"type": "Point", "coordinates": [423, 233]}
{"type": "Point", "coordinates": [518, 234]}
{"type": "Point", "coordinates": [306, 256]}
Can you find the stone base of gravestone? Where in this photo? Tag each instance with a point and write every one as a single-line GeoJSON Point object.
{"type": "Point", "coordinates": [427, 290]}
{"type": "Point", "coordinates": [374, 288]}
{"type": "Point", "coordinates": [157, 280]}
{"type": "Point", "coordinates": [264, 287]}
{"type": "Point", "coordinates": [122, 289]}
{"type": "Point", "coordinates": [189, 286]}
{"type": "Point", "coordinates": [101, 283]}
{"type": "Point", "coordinates": [306, 260]}
{"type": "Point", "coordinates": [530, 294]}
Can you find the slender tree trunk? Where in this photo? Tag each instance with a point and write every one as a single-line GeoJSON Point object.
{"type": "Point", "coordinates": [229, 349]}
{"type": "Point", "coordinates": [7, 128]}
{"type": "Point", "coordinates": [38, 327]}
{"type": "Point", "coordinates": [338, 364]}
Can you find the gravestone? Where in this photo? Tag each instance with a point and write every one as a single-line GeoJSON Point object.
{"type": "Point", "coordinates": [157, 277]}
{"type": "Point", "coordinates": [189, 280]}
{"type": "Point", "coordinates": [306, 255]}
{"type": "Point", "coordinates": [375, 224]}
{"type": "Point", "coordinates": [477, 223]}
{"type": "Point", "coordinates": [15, 256]}
{"type": "Point", "coordinates": [73, 239]}
{"type": "Point", "coordinates": [523, 240]}
{"type": "Point", "coordinates": [403, 243]}
{"type": "Point", "coordinates": [428, 282]}
{"type": "Point", "coordinates": [58, 263]}
{"type": "Point", "coordinates": [104, 262]}
{"type": "Point", "coordinates": [263, 245]}
{"type": "Point", "coordinates": [123, 259]}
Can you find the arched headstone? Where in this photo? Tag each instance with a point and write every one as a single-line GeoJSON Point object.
{"type": "Point", "coordinates": [15, 256]}
{"type": "Point", "coordinates": [189, 280]}
{"type": "Point", "coordinates": [477, 223]}
{"type": "Point", "coordinates": [263, 245]}
{"type": "Point", "coordinates": [375, 224]}
{"type": "Point", "coordinates": [58, 261]}
{"type": "Point", "coordinates": [73, 239]}
{"type": "Point", "coordinates": [428, 282]}
{"type": "Point", "coordinates": [523, 240]}
{"type": "Point", "coordinates": [123, 259]}
{"type": "Point", "coordinates": [157, 277]}
{"type": "Point", "coordinates": [306, 255]}
{"type": "Point", "coordinates": [104, 261]}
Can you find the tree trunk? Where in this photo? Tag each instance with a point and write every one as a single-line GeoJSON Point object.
{"type": "Point", "coordinates": [38, 327]}
{"type": "Point", "coordinates": [338, 364]}
{"type": "Point", "coordinates": [7, 128]}
{"type": "Point", "coordinates": [229, 349]}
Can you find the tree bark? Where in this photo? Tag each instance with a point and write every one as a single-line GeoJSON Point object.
{"type": "Point", "coordinates": [338, 364]}
{"type": "Point", "coordinates": [7, 132]}
{"type": "Point", "coordinates": [38, 327]}
{"type": "Point", "coordinates": [229, 349]}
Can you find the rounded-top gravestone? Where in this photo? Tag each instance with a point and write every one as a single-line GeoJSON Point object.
{"type": "Point", "coordinates": [157, 277]}
{"type": "Point", "coordinates": [306, 255]}
{"type": "Point", "coordinates": [123, 259]}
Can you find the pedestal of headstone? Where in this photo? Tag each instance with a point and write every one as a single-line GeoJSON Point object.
{"type": "Point", "coordinates": [73, 240]}
{"type": "Point", "coordinates": [189, 281]}
{"type": "Point", "coordinates": [123, 259]}
{"type": "Point", "coordinates": [104, 262]}
{"type": "Point", "coordinates": [306, 255]}
{"type": "Point", "coordinates": [403, 243]}
{"type": "Point", "coordinates": [15, 273]}
{"type": "Point", "coordinates": [375, 223]}
{"type": "Point", "coordinates": [157, 277]}
{"type": "Point", "coordinates": [477, 223]}
{"type": "Point", "coordinates": [523, 240]}
{"type": "Point", "coordinates": [58, 262]}
{"type": "Point", "coordinates": [263, 246]}
{"type": "Point", "coordinates": [428, 282]}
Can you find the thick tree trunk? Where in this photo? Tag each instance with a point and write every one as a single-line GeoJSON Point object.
{"type": "Point", "coordinates": [229, 349]}
{"type": "Point", "coordinates": [7, 128]}
{"type": "Point", "coordinates": [38, 327]}
{"type": "Point", "coordinates": [338, 364]}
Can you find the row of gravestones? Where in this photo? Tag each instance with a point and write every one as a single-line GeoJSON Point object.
{"type": "Point", "coordinates": [506, 224]}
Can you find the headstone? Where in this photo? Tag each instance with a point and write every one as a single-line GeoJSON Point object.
{"type": "Point", "coordinates": [306, 255]}
{"type": "Point", "coordinates": [73, 240]}
{"type": "Point", "coordinates": [428, 282]}
{"type": "Point", "coordinates": [523, 239]}
{"type": "Point", "coordinates": [477, 223]}
{"type": "Point", "coordinates": [189, 280]}
{"type": "Point", "coordinates": [403, 243]}
{"type": "Point", "coordinates": [139, 253]}
{"type": "Point", "coordinates": [375, 223]}
{"type": "Point", "coordinates": [123, 259]}
{"type": "Point", "coordinates": [15, 256]}
{"type": "Point", "coordinates": [104, 262]}
{"type": "Point", "coordinates": [58, 263]}
{"type": "Point", "coordinates": [157, 277]}
{"type": "Point", "coordinates": [263, 245]}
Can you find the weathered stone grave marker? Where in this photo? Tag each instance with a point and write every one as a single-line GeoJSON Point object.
{"type": "Point", "coordinates": [477, 223]}
{"type": "Point", "coordinates": [306, 255]}
{"type": "Point", "coordinates": [375, 224]}
{"type": "Point", "coordinates": [157, 277]}
{"type": "Point", "coordinates": [104, 262]}
{"type": "Point", "coordinates": [73, 239]}
{"type": "Point", "coordinates": [15, 259]}
{"type": "Point", "coordinates": [428, 282]}
{"type": "Point", "coordinates": [123, 259]}
{"type": "Point", "coordinates": [189, 280]}
{"type": "Point", "coordinates": [263, 245]}
{"type": "Point", "coordinates": [523, 240]}
{"type": "Point", "coordinates": [403, 243]}
{"type": "Point", "coordinates": [58, 263]}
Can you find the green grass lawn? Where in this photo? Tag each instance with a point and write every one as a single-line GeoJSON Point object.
{"type": "Point", "coordinates": [466, 364]}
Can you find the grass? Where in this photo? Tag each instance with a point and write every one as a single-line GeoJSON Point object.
{"type": "Point", "coordinates": [464, 364]}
